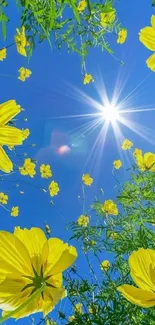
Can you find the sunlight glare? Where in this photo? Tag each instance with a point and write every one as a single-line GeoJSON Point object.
{"type": "Point", "coordinates": [110, 113]}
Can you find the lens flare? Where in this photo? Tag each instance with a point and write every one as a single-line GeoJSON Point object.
{"type": "Point", "coordinates": [110, 113]}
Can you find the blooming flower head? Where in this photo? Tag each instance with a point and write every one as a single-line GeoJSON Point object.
{"type": "Point", "coordinates": [2, 54]}
{"type": "Point", "coordinates": [110, 207]}
{"type": "Point", "coordinates": [28, 169]}
{"type": "Point", "coordinates": [127, 144]}
{"type": "Point", "coordinates": [21, 41]}
{"type": "Point", "coordinates": [146, 161]}
{"type": "Point", "coordinates": [82, 5]}
{"type": "Point", "coordinates": [87, 79]}
{"type": "Point", "coordinates": [117, 164]}
{"type": "Point", "coordinates": [15, 211]}
{"type": "Point", "coordinates": [45, 171]}
{"type": "Point", "coordinates": [87, 179]}
{"type": "Point", "coordinates": [113, 235]}
{"type": "Point", "coordinates": [25, 133]}
{"type": "Point", "coordinates": [137, 152]}
{"type": "Point", "coordinates": [83, 221]}
{"type": "Point", "coordinates": [3, 198]}
{"type": "Point", "coordinates": [147, 37]}
{"type": "Point", "coordinates": [78, 308]}
{"type": "Point", "coordinates": [141, 264]}
{"type": "Point", "coordinates": [105, 265]}
{"type": "Point", "coordinates": [107, 18]}
{"type": "Point", "coordinates": [30, 261]}
{"type": "Point", "coordinates": [53, 188]}
{"type": "Point", "coordinates": [71, 318]}
{"type": "Point", "coordinates": [24, 73]}
{"type": "Point", "coordinates": [122, 35]}
{"type": "Point", "coordinates": [9, 135]}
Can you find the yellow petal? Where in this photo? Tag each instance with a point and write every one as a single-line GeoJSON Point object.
{"type": "Point", "coordinates": [34, 240]}
{"type": "Point", "coordinates": [8, 111]}
{"type": "Point", "coordinates": [147, 37]}
{"type": "Point", "coordinates": [5, 163]}
{"type": "Point", "coordinates": [151, 62]}
{"type": "Point", "coordinates": [52, 297]}
{"type": "Point", "coordinates": [10, 136]}
{"type": "Point", "coordinates": [61, 256]}
{"type": "Point", "coordinates": [14, 257]}
{"type": "Point", "coordinates": [141, 264]}
{"type": "Point", "coordinates": [153, 21]}
{"type": "Point", "coordinates": [138, 296]}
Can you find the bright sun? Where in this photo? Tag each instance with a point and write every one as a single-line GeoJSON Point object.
{"type": "Point", "coordinates": [110, 113]}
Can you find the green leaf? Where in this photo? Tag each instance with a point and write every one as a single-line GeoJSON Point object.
{"type": "Point", "coordinates": [76, 13]}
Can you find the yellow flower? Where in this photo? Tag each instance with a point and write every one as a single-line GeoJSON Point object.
{"type": "Point", "coordinates": [147, 37]}
{"type": "Point", "coordinates": [30, 260]}
{"type": "Point", "coordinates": [114, 235]}
{"type": "Point", "coordinates": [24, 73]}
{"type": "Point", "coordinates": [117, 164]}
{"type": "Point", "coordinates": [146, 161]}
{"type": "Point", "coordinates": [107, 18]}
{"type": "Point", "coordinates": [126, 144]}
{"type": "Point", "coordinates": [92, 243]}
{"type": "Point", "coordinates": [71, 318]}
{"type": "Point", "coordinates": [3, 198]}
{"type": "Point", "coordinates": [53, 188]}
{"type": "Point", "coordinates": [28, 168]}
{"type": "Point", "coordinates": [78, 308]}
{"type": "Point", "coordinates": [25, 133]}
{"type": "Point", "coordinates": [21, 41]}
{"type": "Point", "coordinates": [82, 5]}
{"type": "Point", "coordinates": [141, 265]}
{"type": "Point", "coordinates": [83, 221]}
{"type": "Point", "coordinates": [105, 265]}
{"type": "Point", "coordinates": [122, 35]}
{"type": "Point", "coordinates": [45, 171]}
{"type": "Point", "coordinates": [87, 179]}
{"type": "Point", "coordinates": [15, 211]}
{"type": "Point", "coordinates": [2, 54]}
{"type": "Point", "coordinates": [137, 152]}
{"type": "Point", "coordinates": [110, 207]}
{"type": "Point", "coordinates": [87, 79]}
{"type": "Point", "coordinates": [9, 135]}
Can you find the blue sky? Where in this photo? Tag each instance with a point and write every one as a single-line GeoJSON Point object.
{"type": "Point", "coordinates": [48, 94]}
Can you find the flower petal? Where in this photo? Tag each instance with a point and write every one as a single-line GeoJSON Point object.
{"type": "Point", "coordinates": [10, 136]}
{"type": "Point", "coordinates": [151, 62]}
{"type": "Point", "coordinates": [142, 263]}
{"type": "Point", "coordinates": [8, 110]}
{"type": "Point", "coordinates": [153, 21]}
{"type": "Point", "coordinates": [147, 37]}
{"type": "Point", "coordinates": [61, 256]}
{"type": "Point", "coordinates": [138, 296]}
{"type": "Point", "coordinates": [52, 297]}
{"type": "Point", "coordinates": [5, 163]}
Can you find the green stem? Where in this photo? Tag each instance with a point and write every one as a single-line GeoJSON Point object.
{"type": "Point", "coordinates": [35, 295]}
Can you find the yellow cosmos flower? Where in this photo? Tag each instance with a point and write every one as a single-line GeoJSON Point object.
{"type": "Point", "coordinates": [127, 144]}
{"type": "Point", "coordinates": [25, 133]}
{"type": "Point", "coordinates": [82, 5]}
{"type": "Point", "coordinates": [78, 308]}
{"type": "Point", "coordinates": [15, 211]}
{"type": "Point", "coordinates": [30, 260]}
{"type": "Point", "coordinates": [147, 37]}
{"type": "Point", "coordinates": [107, 18]}
{"type": "Point", "coordinates": [24, 73]}
{"type": "Point", "coordinates": [21, 41]}
{"type": "Point", "coordinates": [53, 188]}
{"type": "Point", "coordinates": [9, 135]}
{"type": "Point", "coordinates": [87, 179]}
{"type": "Point", "coordinates": [110, 207]}
{"type": "Point", "coordinates": [137, 152]}
{"type": "Point", "coordinates": [71, 318]}
{"type": "Point", "coordinates": [28, 169]}
{"type": "Point", "coordinates": [141, 265]}
{"type": "Point", "coordinates": [146, 161]}
{"type": "Point", "coordinates": [45, 171]}
{"type": "Point", "coordinates": [122, 35]}
{"type": "Point", "coordinates": [87, 79]}
{"type": "Point", "coordinates": [83, 221]}
{"type": "Point", "coordinates": [117, 164]}
{"type": "Point", "coordinates": [2, 54]}
{"type": "Point", "coordinates": [3, 198]}
{"type": "Point", "coordinates": [105, 265]}
{"type": "Point", "coordinates": [113, 235]}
